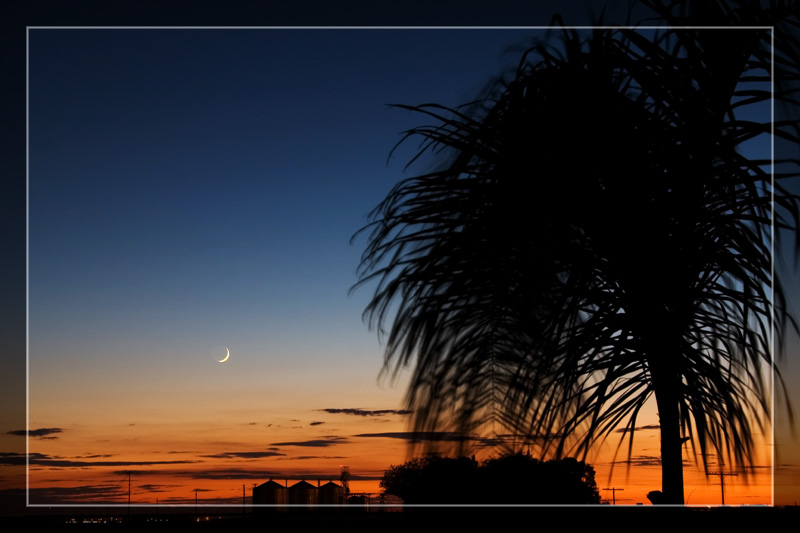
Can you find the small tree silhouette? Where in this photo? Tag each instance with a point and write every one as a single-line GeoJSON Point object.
{"type": "Point", "coordinates": [433, 479]}
{"type": "Point", "coordinates": [507, 479]}
{"type": "Point", "coordinates": [519, 478]}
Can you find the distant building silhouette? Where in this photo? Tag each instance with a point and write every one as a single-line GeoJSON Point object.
{"type": "Point", "coordinates": [270, 493]}
{"type": "Point", "coordinates": [331, 494]}
{"type": "Point", "coordinates": [274, 496]}
{"type": "Point", "coordinates": [303, 493]}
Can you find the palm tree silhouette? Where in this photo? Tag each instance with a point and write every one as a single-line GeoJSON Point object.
{"type": "Point", "coordinates": [595, 235]}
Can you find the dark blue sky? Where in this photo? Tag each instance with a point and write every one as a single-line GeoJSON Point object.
{"type": "Point", "coordinates": [212, 179]}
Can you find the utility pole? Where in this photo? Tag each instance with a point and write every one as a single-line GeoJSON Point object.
{"type": "Point", "coordinates": [614, 494]}
{"type": "Point", "coordinates": [722, 475]}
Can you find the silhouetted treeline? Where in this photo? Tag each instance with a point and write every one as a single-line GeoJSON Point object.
{"type": "Point", "coordinates": [508, 479]}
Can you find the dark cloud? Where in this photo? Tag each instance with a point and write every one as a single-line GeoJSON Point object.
{"type": "Point", "coordinates": [640, 428]}
{"type": "Point", "coordinates": [708, 455]}
{"type": "Point", "coordinates": [228, 474]}
{"type": "Point", "coordinates": [215, 474]}
{"type": "Point", "coordinates": [45, 460]}
{"type": "Point", "coordinates": [83, 494]}
{"type": "Point", "coordinates": [18, 458]}
{"type": "Point", "coordinates": [137, 473]}
{"type": "Point", "coordinates": [306, 457]}
{"type": "Point", "coordinates": [431, 436]}
{"type": "Point", "coordinates": [204, 500]}
{"type": "Point", "coordinates": [367, 412]}
{"type": "Point", "coordinates": [528, 437]}
{"type": "Point", "coordinates": [244, 455]}
{"type": "Point", "coordinates": [41, 432]}
{"type": "Point", "coordinates": [754, 468]}
{"type": "Point", "coordinates": [109, 463]}
{"type": "Point", "coordinates": [149, 487]}
{"type": "Point", "coordinates": [248, 476]}
{"type": "Point", "coordinates": [367, 477]}
{"type": "Point", "coordinates": [316, 423]}
{"type": "Point", "coordinates": [643, 460]}
{"type": "Point", "coordinates": [452, 436]}
{"type": "Point", "coordinates": [315, 443]}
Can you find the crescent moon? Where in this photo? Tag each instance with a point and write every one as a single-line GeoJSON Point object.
{"type": "Point", "coordinates": [226, 356]}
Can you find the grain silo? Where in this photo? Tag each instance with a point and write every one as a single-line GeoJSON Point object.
{"type": "Point", "coordinates": [270, 493]}
{"type": "Point", "coordinates": [331, 494]}
{"type": "Point", "coordinates": [303, 493]}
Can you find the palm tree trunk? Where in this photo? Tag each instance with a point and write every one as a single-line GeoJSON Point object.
{"type": "Point", "coordinates": [667, 387]}
{"type": "Point", "coordinates": [671, 449]}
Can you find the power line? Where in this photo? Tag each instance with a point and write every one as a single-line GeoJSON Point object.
{"type": "Point", "coordinates": [722, 481]}
{"type": "Point", "coordinates": [614, 494]}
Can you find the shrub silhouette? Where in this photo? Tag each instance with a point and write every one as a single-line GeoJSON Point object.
{"type": "Point", "coordinates": [508, 479]}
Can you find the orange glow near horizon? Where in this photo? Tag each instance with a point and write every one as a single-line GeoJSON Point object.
{"type": "Point", "coordinates": [215, 471]}
{"type": "Point", "coordinates": [221, 427]}
{"type": "Point", "coordinates": [180, 489]}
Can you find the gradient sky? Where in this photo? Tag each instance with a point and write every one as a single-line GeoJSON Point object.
{"type": "Point", "coordinates": [197, 189]}
{"type": "Point", "coordinates": [192, 190]}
